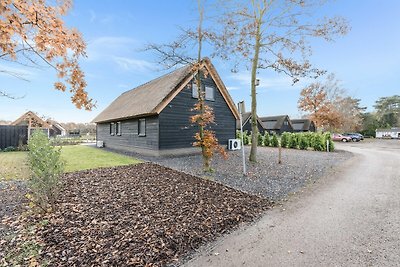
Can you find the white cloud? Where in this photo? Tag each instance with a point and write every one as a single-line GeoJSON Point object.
{"type": "Point", "coordinates": [92, 16]}
{"type": "Point", "coordinates": [20, 73]}
{"type": "Point", "coordinates": [233, 88]}
{"type": "Point", "coordinates": [130, 64]}
{"type": "Point", "coordinates": [277, 83]}
{"type": "Point", "coordinates": [108, 46]}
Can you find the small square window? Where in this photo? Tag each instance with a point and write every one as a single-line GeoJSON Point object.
{"type": "Point", "coordinates": [142, 127]}
{"type": "Point", "coordinates": [209, 93]}
{"type": "Point", "coordinates": [119, 128]}
{"type": "Point", "coordinates": [112, 128]}
{"type": "Point", "coordinates": [195, 92]}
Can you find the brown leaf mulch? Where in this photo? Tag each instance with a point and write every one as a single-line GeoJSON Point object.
{"type": "Point", "coordinates": [140, 215]}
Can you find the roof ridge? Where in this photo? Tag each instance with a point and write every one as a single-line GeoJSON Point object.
{"type": "Point", "coordinates": [156, 79]}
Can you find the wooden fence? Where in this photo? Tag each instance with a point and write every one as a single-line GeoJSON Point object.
{"type": "Point", "coordinates": [13, 136]}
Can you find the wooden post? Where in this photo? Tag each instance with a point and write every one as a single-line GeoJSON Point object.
{"type": "Point", "coordinates": [280, 154]}
{"type": "Point", "coordinates": [29, 127]}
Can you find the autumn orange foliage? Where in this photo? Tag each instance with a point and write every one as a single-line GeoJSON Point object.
{"type": "Point", "coordinates": [206, 138]}
{"type": "Point", "coordinates": [32, 29]}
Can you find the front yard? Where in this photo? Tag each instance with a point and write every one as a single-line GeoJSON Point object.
{"type": "Point", "coordinates": [151, 215]}
{"type": "Point", "coordinates": [13, 165]}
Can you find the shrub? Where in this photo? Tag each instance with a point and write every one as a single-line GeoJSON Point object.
{"type": "Point", "coordinates": [318, 142]}
{"type": "Point", "coordinates": [246, 138]}
{"type": "Point", "coordinates": [293, 140]}
{"type": "Point", "coordinates": [260, 140]}
{"type": "Point", "coordinates": [303, 142]}
{"type": "Point", "coordinates": [328, 138]}
{"type": "Point", "coordinates": [9, 149]}
{"type": "Point", "coordinates": [238, 135]}
{"type": "Point", "coordinates": [285, 139]}
{"type": "Point", "coordinates": [274, 140]}
{"type": "Point", "coordinates": [267, 141]}
{"type": "Point", "coordinates": [46, 168]}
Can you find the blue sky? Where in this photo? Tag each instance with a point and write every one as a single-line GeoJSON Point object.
{"type": "Point", "coordinates": [366, 61]}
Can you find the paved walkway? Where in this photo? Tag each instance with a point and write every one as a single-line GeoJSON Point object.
{"type": "Point", "coordinates": [352, 218]}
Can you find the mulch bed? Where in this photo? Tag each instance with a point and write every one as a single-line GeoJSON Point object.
{"type": "Point", "coordinates": [140, 215]}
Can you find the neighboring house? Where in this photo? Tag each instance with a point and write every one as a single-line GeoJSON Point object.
{"type": "Point", "coordinates": [34, 122]}
{"type": "Point", "coordinates": [246, 121]}
{"type": "Point", "coordinates": [154, 118]}
{"type": "Point", "coordinates": [393, 133]}
{"type": "Point", "coordinates": [56, 129]}
{"type": "Point", "coordinates": [277, 124]}
{"type": "Point", "coordinates": [303, 125]}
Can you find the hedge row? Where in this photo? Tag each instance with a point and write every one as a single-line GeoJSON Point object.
{"type": "Point", "coordinates": [308, 140]}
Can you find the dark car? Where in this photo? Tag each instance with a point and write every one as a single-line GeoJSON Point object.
{"type": "Point", "coordinates": [355, 137]}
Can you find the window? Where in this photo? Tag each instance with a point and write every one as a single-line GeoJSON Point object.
{"type": "Point", "coordinates": [119, 128]}
{"type": "Point", "coordinates": [195, 93]}
{"type": "Point", "coordinates": [286, 123]}
{"type": "Point", "coordinates": [209, 93]}
{"type": "Point", "coordinates": [112, 128]}
{"type": "Point", "coordinates": [142, 127]}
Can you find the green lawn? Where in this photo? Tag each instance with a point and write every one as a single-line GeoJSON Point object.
{"type": "Point", "coordinates": [13, 165]}
{"type": "Point", "coordinates": [84, 157]}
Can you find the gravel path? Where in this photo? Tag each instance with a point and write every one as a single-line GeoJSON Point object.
{"type": "Point", "coordinates": [265, 178]}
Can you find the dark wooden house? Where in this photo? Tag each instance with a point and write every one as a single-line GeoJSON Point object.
{"type": "Point", "coordinates": [154, 118]}
{"type": "Point", "coordinates": [246, 121]}
{"type": "Point", "coordinates": [277, 124]}
{"type": "Point", "coordinates": [303, 125]}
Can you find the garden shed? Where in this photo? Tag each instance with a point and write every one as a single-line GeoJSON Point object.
{"type": "Point", "coordinates": [154, 118]}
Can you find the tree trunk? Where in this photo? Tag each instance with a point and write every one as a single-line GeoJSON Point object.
{"type": "Point", "coordinates": [254, 129]}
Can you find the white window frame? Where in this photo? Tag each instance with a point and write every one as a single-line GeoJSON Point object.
{"type": "Point", "coordinates": [118, 128]}
{"type": "Point", "coordinates": [207, 97]}
{"type": "Point", "coordinates": [195, 92]}
{"type": "Point", "coordinates": [112, 128]}
{"type": "Point", "coordinates": [142, 130]}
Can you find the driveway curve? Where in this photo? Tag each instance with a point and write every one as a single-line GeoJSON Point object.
{"type": "Point", "coordinates": [350, 218]}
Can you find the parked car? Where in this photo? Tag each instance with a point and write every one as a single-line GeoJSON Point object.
{"type": "Point", "coordinates": [340, 137]}
{"type": "Point", "coordinates": [355, 137]}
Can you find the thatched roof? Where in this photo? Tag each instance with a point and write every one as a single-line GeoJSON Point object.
{"type": "Point", "coordinates": [35, 120]}
{"type": "Point", "coordinates": [152, 97]}
{"type": "Point", "coordinates": [301, 124]}
{"type": "Point", "coordinates": [274, 122]}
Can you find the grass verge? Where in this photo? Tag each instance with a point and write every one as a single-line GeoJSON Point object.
{"type": "Point", "coordinates": [13, 165]}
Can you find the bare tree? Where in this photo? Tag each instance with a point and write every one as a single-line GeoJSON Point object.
{"type": "Point", "coordinates": [178, 53]}
{"type": "Point", "coordinates": [274, 35]}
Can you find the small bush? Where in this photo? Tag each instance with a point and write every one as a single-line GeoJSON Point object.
{"type": "Point", "coordinates": [238, 135]}
{"type": "Point", "coordinates": [293, 141]}
{"type": "Point", "coordinates": [260, 140]}
{"type": "Point", "coordinates": [303, 142]}
{"type": "Point", "coordinates": [267, 139]}
{"type": "Point", "coordinates": [9, 149]}
{"type": "Point", "coordinates": [245, 138]}
{"type": "Point", "coordinates": [46, 168]}
{"type": "Point", "coordinates": [318, 142]}
{"type": "Point", "coordinates": [285, 139]}
{"type": "Point", "coordinates": [22, 148]}
{"type": "Point", "coordinates": [274, 140]}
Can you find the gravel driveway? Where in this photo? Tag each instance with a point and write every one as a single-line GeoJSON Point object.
{"type": "Point", "coordinates": [265, 178]}
{"type": "Point", "coordinates": [351, 218]}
